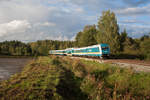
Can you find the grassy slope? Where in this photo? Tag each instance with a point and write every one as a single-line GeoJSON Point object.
{"type": "Point", "coordinates": [53, 78]}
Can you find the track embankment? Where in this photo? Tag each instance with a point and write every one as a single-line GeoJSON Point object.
{"type": "Point", "coordinates": [137, 65]}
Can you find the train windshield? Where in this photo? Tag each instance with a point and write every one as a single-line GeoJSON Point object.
{"type": "Point", "coordinates": [105, 48]}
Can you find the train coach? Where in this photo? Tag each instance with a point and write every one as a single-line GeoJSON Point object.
{"type": "Point", "coordinates": [57, 52]}
{"type": "Point", "coordinates": [100, 50]}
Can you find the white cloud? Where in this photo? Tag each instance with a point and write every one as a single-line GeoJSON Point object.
{"type": "Point", "coordinates": [21, 10]}
{"type": "Point", "coordinates": [46, 24]}
{"type": "Point", "coordinates": [135, 2]}
{"type": "Point", "coordinates": [134, 11]}
{"type": "Point", "coordinates": [15, 26]}
{"type": "Point", "coordinates": [52, 21]}
{"type": "Point", "coordinates": [129, 21]}
{"type": "Point", "coordinates": [57, 19]}
{"type": "Point", "coordinates": [136, 31]}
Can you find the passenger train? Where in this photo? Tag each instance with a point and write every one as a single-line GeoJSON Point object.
{"type": "Point", "coordinates": [99, 50]}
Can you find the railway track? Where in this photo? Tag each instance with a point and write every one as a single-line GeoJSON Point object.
{"type": "Point", "coordinates": [136, 65]}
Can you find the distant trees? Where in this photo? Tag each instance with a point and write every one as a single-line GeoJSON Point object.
{"type": "Point", "coordinates": [123, 37]}
{"type": "Point", "coordinates": [127, 44]}
{"type": "Point", "coordinates": [145, 47]}
{"type": "Point", "coordinates": [15, 48]}
{"type": "Point", "coordinates": [77, 39]}
{"type": "Point", "coordinates": [43, 47]}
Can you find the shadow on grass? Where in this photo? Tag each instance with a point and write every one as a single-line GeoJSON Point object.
{"type": "Point", "coordinates": [69, 86]}
{"type": "Point", "coordinates": [100, 75]}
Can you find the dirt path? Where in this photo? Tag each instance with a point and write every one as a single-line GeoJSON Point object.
{"type": "Point", "coordinates": [136, 65]}
{"type": "Point", "coordinates": [10, 66]}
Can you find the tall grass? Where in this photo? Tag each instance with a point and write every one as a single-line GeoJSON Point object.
{"type": "Point", "coordinates": [62, 78]}
{"type": "Point", "coordinates": [105, 81]}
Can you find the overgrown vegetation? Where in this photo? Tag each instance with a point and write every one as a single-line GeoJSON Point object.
{"type": "Point", "coordinates": [61, 78]}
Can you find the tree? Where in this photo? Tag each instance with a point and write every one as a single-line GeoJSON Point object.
{"type": "Point", "coordinates": [130, 46]}
{"type": "Point", "coordinates": [87, 37]}
{"type": "Point", "coordinates": [123, 37]}
{"type": "Point", "coordinates": [108, 31]}
{"type": "Point", "coordinates": [144, 37]}
{"type": "Point", "coordinates": [145, 47]}
{"type": "Point", "coordinates": [78, 38]}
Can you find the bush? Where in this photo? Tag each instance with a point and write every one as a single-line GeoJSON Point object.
{"type": "Point", "coordinates": [148, 56]}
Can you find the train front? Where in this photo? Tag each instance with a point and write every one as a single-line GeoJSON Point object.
{"type": "Point", "coordinates": [105, 50]}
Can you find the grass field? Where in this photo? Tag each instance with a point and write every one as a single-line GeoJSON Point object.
{"type": "Point", "coordinates": [62, 78]}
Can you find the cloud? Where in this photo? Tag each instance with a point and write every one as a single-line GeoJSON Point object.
{"type": "Point", "coordinates": [132, 21]}
{"type": "Point", "coordinates": [136, 2]}
{"type": "Point", "coordinates": [52, 21]}
{"type": "Point", "coordinates": [16, 26]}
{"type": "Point", "coordinates": [129, 21]}
{"type": "Point", "coordinates": [47, 24]}
{"type": "Point", "coordinates": [136, 31]}
{"type": "Point", "coordinates": [134, 11]}
{"type": "Point", "coordinates": [62, 19]}
{"type": "Point", "coordinates": [22, 10]}
{"type": "Point", "coordinates": [4, 0]}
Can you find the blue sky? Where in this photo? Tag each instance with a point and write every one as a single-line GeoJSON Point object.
{"type": "Point", "coordinates": [31, 20]}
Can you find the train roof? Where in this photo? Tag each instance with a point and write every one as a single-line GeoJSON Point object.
{"type": "Point", "coordinates": [85, 47]}
{"type": "Point", "coordinates": [69, 48]}
{"type": "Point", "coordinates": [57, 50]}
{"type": "Point", "coordinates": [91, 46]}
{"type": "Point", "coordinates": [103, 44]}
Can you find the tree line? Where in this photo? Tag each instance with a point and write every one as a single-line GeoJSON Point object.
{"type": "Point", "coordinates": [18, 48]}
{"type": "Point", "coordinates": [106, 31]}
{"type": "Point", "coordinates": [15, 48]}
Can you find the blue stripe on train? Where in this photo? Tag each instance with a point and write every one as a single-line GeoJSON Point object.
{"type": "Point", "coordinates": [59, 54]}
{"type": "Point", "coordinates": [87, 54]}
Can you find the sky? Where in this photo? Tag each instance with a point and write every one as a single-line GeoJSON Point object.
{"type": "Point", "coordinates": [32, 20]}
